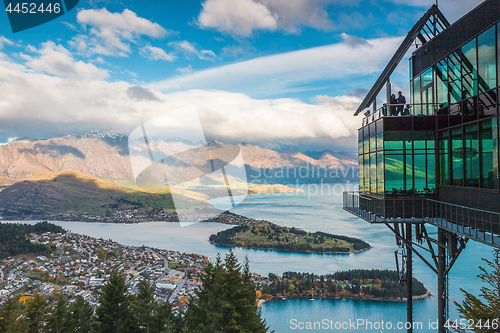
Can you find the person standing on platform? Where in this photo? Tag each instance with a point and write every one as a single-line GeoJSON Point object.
{"type": "Point", "coordinates": [392, 105]}
{"type": "Point", "coordinates": [401, 100]}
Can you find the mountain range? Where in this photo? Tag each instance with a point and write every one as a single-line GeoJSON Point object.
{"type": "Point", "coordinates": [105, 155]}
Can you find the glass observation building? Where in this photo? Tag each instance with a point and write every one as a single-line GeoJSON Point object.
{"type": "Point", "coordinates": [447, 147]}
{"type": "Point", "coordinates": [434, 161]}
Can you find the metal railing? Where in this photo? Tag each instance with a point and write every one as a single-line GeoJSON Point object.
{"type": "Point", "coordinates": [400, 110]}
{"type": "Point", "coordinates": [480, 225]}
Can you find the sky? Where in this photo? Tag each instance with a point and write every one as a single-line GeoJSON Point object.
{"type": "Point", "coordinates": [286, 72]}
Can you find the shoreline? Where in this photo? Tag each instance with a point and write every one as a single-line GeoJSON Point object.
{"type": "Point", "coordinates": [293, 251]}
{"type": "Point", "coordinates": [338, 298]}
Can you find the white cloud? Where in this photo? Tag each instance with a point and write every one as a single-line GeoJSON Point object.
{"type": "Point", "coordinates": [112, 33]}
{"type": "Point", "coordinates": [55, 59]}
{"type": "Point", "coordinates": [156, 53]}
{"type": "Point", "coordinates": [292, 15]}
{"type": "Point", "coordinates": [243, 17]}
{"type": "Point", "coordinates": [38, 105]}
{"type": "Point", "coordinates": [4, 40]}
{"type": "Point", "coordinates": [354, 42]}
{"type": "Point", "coordinates": [185, 70]}
{"type": "Point", "coordinates": [191, 49]}
{"type": "Point", "coordinates": [236, 17]}
{"type": "Point", "coordinates": [283, 73]}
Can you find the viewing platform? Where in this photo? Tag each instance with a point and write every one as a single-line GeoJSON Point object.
{"type": "Point", "coordinates": [479, 225]}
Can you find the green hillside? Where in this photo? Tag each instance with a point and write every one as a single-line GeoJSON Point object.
{"type": "Point", "coordinates": [77, 193]}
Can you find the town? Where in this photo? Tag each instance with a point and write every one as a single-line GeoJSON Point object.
{"type": "Point", "coordinates": [82, 264]}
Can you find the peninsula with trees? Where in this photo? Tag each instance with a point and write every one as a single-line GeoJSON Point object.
{"type": "Point", "coordinates": [270, 236]}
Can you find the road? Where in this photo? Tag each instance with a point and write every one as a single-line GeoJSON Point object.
{"type": "Point", "coordinates": [176, 291]}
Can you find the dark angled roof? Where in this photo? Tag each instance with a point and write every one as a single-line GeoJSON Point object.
{"type": "Point", "coordinates": [425, 29]}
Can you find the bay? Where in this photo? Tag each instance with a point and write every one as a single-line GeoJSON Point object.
{"type": "Point", "coordinates": [311, 211]}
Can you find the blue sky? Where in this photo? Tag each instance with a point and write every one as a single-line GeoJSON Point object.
{"type": "Point", "coordinates": [283, 71]}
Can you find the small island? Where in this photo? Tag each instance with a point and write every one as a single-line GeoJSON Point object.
{"type": "Point", "coordinates": [270, 236]}
{"type": "Point", "coordinates": [354, 284]}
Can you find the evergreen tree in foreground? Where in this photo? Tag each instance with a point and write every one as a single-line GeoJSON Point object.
{"type": "Point", "coordinates": [152, 316]}
{"type": "Point", "coordinates": [226, 301]}
{"type": "Point", "coordinates": [473, 308]}
{"type": "Point", "coordinates": [80, 316]}
{"type": "Point", "coordinates": [114, 313]}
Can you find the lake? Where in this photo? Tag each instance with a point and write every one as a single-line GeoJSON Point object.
{"type": "Point", "coordinates": [312, 213]}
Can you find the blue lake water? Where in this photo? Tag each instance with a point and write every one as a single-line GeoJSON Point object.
{"type": "Point", "coordinates": [311, 213]}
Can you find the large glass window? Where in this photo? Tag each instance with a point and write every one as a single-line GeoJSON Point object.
{"type": "Point", "coordinates": [442, 84]}
{"type": "Point", "coordinates": [488, 178]}
{"type": "Point", "coordinates": [373, 173]}
{"type": "Point", "coordinates": [469, 70]}
{"type": "Point", "coordinates": [416, 100]}
{"type": "Point", "coordinates": [457, 157]}
{"type": "Point", "coordinates": [409, 172]}
{"type": "Point", "coordinates": [380, 173]}
{"type": "Point", "coordinates": [360, 173]}
{"type": "Point", "coordinates": [455, 82]}
{"type": "Point", "coordinates": [380, 142]}
{"type": "Point", "coordinates": [444, 158]}
{"type": "Point", "coordinates": [366, 171]}
{"type": "Point", "coordinates": [427, 97]}
{"type": "Point", "coordinates": [394, 174]}
{"type": "Point", "coordinates": [470, 155]}
{"type": "Point", "coordinates": [486, 60]}
{"type": "Point", "coordinates": [431, 173]}
{"type": "Point", "coordinates": [373, 144]}
{"type": "Point", "coordinates": [420, 170]}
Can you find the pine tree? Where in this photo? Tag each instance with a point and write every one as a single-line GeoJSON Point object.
{"type": "Point", "coordinates": [10, 321]}
{"type": "Point", "coordinates": [226, 301]}
{"type": "Point", "coordinates": [145, 305]}
{"type": "Point", "coordinates": [474, 308]}
{"type": "Point", "coordinates": [152, 316]}
{"type": "Point", "coordinates": [56, 322]}
{"type": "Point", "coordinates": [35, 313]}
{"type": "Point", "coordinates": [114, 313]}
{"type": "Point", "coordinates": [80, 317]}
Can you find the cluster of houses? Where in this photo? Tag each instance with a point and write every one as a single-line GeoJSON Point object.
{"type": "Point", "coordinates": [81, 265]}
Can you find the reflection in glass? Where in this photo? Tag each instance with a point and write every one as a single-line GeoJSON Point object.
{"type": "Point", "coordinates": [416, 96]}
{"type": "Point", "coordinates": [394, 174]}
{"type": "Point", "coordinates": [457, 157]}
{"type": "Point", "coordinates": [380, 173]}
{"type": "Point", "coordinates": [455, 88]}
{"type": "Point", "coordinates": [470, 155]}
{"type": "Point", "coordinates": [444, 159]}
{"type": "Point", "coordinates": [442, 84]}
{"type": "Point", "coordinates": [486, 60]}
{"type": "Point", "coordinates": [469, 69]}
{"type": "Point", "coordinates": [486, 136]}
{"type": "Point", "coordinates": [366, 171]}
{"type": "Point", "coordinates": [373, 144]}
{"type": "Point", "coordinates": [380, 142]}
{"type": "Point", "coordinates": [420, 169]}
{"type": "Point", "coordinates": [373, 173]}
{"type": "Point", "coordinates": [431, 172]}
{"type": "Point", "coordinates": [360, 173]}
{"type": "Point", "coordinates": [409, 172]}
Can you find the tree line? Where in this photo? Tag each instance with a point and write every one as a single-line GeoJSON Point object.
{"type": "Point", "coordinates": [355, 283]}
{"type": "Point", "coordinates": [14, 238]}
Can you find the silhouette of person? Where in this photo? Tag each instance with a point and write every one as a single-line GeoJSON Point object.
{"type": "Point", "coordinates": [392, 104]}
{"type": "Point", "coordinates": [401, 100]}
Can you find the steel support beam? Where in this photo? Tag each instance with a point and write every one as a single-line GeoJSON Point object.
{"type": "Point", "coordinates": [442, 296]}
{"type": "Point", "coordinates": [409, 278]}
